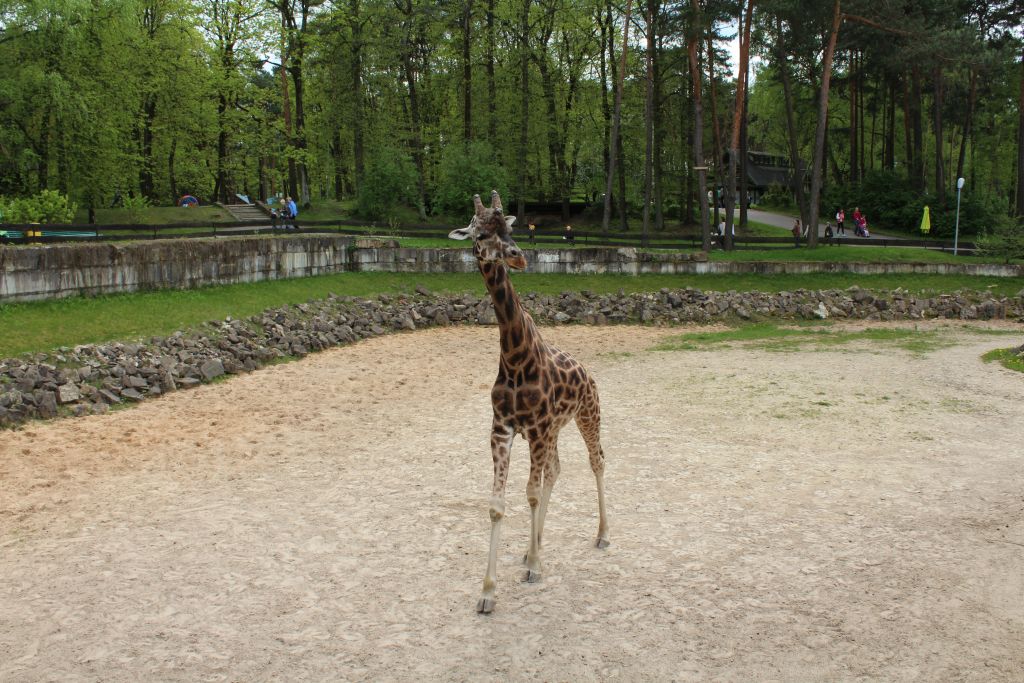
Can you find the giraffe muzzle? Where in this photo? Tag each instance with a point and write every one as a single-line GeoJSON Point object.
{"type": "Point", "coordinates": [516, 262]}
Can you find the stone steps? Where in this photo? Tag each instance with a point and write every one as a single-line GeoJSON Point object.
{"type": "Point", "coordinates": [246, 212]}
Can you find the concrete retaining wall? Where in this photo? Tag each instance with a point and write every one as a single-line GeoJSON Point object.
{"type": "Point", "coordinates": [53, 271]}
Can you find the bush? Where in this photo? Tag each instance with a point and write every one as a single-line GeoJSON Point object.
{"type": "Point", "coordinates": [389, 182]}
{"type": "Point", "coordinates": [466, 170]}
{"type": "Point", "coordinates": [1004, 239]}
{"type": "Point", "coordinates": [49, 206]}
{"type": "Point", "coordinates": [135, 208]}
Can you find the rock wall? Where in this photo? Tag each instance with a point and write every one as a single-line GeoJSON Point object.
{"type": "Point", "coordinates": [91, 378]}
{"type": "Point", "coordinates": [51, 271]}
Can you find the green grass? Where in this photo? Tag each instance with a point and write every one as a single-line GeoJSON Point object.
{"type": "Point", "coordinates": [1006, 357]}
{"type": "Point", "coordinates": [759, 229]}
{"type": "Point", "coordinates": [44, 325]}
{"type": "Point", "coordinates": [157, 215]}
{"type": "Point", "coordinates": [773, 337]}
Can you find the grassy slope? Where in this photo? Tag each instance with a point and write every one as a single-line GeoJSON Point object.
{"type": "Point", "coordinates": [40, 326]}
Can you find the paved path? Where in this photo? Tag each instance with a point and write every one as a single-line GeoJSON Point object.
{"type": "Point", "coordinates": [786, 221]}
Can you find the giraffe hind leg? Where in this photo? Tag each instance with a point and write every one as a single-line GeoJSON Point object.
{"type": "Point", "coordinates": [588, 420]}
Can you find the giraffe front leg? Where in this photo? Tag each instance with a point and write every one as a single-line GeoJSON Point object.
{"type": "Point", "coordinates": [501, 446]}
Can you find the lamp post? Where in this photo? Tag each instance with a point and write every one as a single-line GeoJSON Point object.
{"type": "Point", "coordinates": [956, 230]}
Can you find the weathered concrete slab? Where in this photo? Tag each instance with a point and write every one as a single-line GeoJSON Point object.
{"type": "Point", "coordinates": [53, 271]}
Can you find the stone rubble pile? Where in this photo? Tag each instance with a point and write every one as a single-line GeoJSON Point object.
{"type": "Point", "coordinates": [90, 379]}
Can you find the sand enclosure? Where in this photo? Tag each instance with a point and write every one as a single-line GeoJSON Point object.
{"type": "Point", "coordinates": [822, 515]}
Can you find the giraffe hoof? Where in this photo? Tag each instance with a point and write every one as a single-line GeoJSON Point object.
{"type": "Point", "coordinates": [531, 576]}
{"type": "Point", "coordinates": [485, 606]}
{"type": "Point", "coordinates": [603, 543]}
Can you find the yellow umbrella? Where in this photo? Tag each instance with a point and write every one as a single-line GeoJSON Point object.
{"type": "Point", "coordinates": [926, 221]}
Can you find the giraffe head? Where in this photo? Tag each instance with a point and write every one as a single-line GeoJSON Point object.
{"type": "Point", "coordinates": [491, 231]}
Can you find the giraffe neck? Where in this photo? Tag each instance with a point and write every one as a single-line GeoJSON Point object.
{"type": "Point", "coordinates": [517, 329]}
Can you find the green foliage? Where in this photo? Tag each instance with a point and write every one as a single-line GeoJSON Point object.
{"type": "Point", "coordinates": [48, 206]}
{"type": "Point", "coordinates": [1003, 240]}
{"type": "Point", "coordinates": [466, 170]}
{"type": "Point", "coordinates": [390, 182]}
{"type": "Point", "coordinates": [135, 208]}
{"type": "Point", "coordinates": [777, 196]}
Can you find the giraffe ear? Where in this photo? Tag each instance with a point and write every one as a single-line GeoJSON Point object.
{"type": "Point", "coordinates": [461, 233]}
{"type": "Point", "coordinates": [509, 220]}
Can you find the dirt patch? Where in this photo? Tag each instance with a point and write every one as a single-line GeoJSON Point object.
{"type": "Point", "coordinates": [824, 515]}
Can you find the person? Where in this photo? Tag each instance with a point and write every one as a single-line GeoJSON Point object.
{"type": "Point", "coordinates": [293, 212]}
{"type": "Point", "coordinates": [840, 217]}
{"type": "Point", "coordinates": [569, 235]}
{"type": "Point", "coordinates": [797, 232]}
{"type": "Point", "coordinates": [828, 232]}
{"type": "Point", "coordinates": [273, 219]}
{"type": "Point", "coordinates": [533, 231]}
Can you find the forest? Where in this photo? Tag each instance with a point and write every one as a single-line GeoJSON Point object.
{"type": "Point", "coordinates": [634, 111]}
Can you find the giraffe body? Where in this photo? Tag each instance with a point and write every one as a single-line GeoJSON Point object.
{"type": "Point", "coordinates": [539, 389]}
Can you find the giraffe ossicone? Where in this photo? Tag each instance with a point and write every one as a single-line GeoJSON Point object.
{"type": "Point", "coordinates": [539, 389]}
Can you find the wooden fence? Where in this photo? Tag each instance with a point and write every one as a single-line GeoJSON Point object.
{"type": "Point", "coordinates": [44, 233]}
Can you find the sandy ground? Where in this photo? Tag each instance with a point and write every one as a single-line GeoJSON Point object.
{"type": "Point", "coordinates": [827, 515]}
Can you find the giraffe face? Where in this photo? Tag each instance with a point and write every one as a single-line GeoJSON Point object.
{"type": "Point", "coordinates": [491, 231]}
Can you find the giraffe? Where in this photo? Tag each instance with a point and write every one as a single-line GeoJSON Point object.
{"type": "Point", "coordinates": [539, 389]}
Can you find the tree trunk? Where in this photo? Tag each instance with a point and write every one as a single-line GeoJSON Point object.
{"type": "Point", "coordinates": [467, 72]}
{"type": "Point", "coordinates": [616, 122]}
{"type": "Point", "coordinates": [716, 129]}
{"type": "Point", "coordinates": [171, 177]}
{"type": "Point", "coordinates": [146, 185]}
{"type": "Point", "coordinates": [220, 189]}
{"type": "Point", "coordinates": [339, 174]}
{"type": "Point", "coordinates": [737, 123]}
{"type": "Point", "coordinates": [648, 124]}
{"type": "Point", "coordinates": [852, 89]}
{"type": "Point", "coordinates": [293, 185]}
{"type": "Point", "coordinates": [687, 199]}
{"type": "Point", "coordinates": [860, 115]}
{"type": "Point", "coordinates": [300, 133]}
{"type": "Point", "coordinates": [940, 173]}
{"type": "Point", "coordinates": [972, 92]}
{"type": "Point", "coordinates": [524, 110]}
{"type": "Point", "coordinates": [659, 134]}
{"type": "Point", "coordinates": [698, 126]}
{"type": "Point", "coordinates": [889, 156]}
{"type": "Point", "coordinates": [607, 57]}
{"type": "Point", "coordinates": [908, 143]}
{"type": "Point", "coordinates": [744, 154]}
{"type": "Point", "coordinates": [819, 136]}
{"type": "Point", "coordinates": [417, 139]}
{"type": "Point", "coordinates": [917, 170]}
{"type": "Point", "coordinates": [492, 86]}
{"type": "Point", "coordinates": [356, 56]}
{"type": "Point", "coordinates": [1020, 145]}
